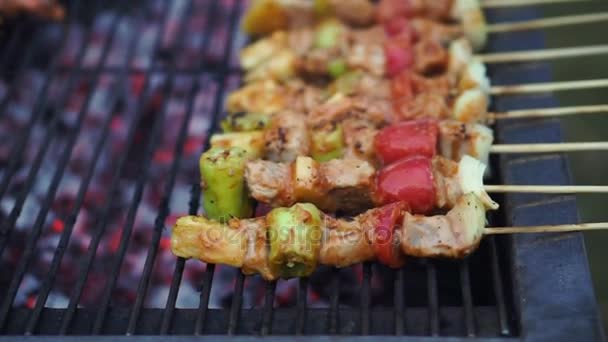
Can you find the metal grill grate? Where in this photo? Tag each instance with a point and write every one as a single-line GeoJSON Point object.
{"type": "Point", "coordinates": [123, 98]}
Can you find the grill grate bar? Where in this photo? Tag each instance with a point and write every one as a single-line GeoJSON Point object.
{"type": "Point", "coordinates": [71, 219]}
{"type": "Point", "coordinates": [366, 297]}
{"type": "Point", "coordinates": [433, 298]}
{"type": "Point", "coordinates": [467, 297]}
{"type": "Point", "coordinates": [271, 287]}
{"type": "Point", "coordinates": [11, 47]}
{"type": "Point", "coordinates": [195, 192]}
{"type": "Point", "coordinates": [25, 61]}
{"type": "Point", "coordinates": [8, 225]}
{"type": "Point", "coordinates": [501, 307]}
{"type": "Point", "coordinates": [23, 136]}
{"type": "Point", "coordinates": [237, 301]}
{"type": "Point", "coordinates": [208, 280]}
{"type": "Point", "coordinates": [65, 235]}
{"type": "Point", "coordinates": [42, 214]}
{"type": "Point", "coordinates": [399, 302]}
{"type": "Point", "coordinates": [179, 269]}
{"type": "Point", "coordinates": [211, 67]}
{"type": "Point", "coordinates": [163, 209]}
{"type": "Point", "coordinates": [169, 311]}
{"type": "Point", "coordinates": [138, 194]}
{"type": "Point", "coordinates": [100, 227]}
{"type": "Point", "coordinates": [203, 306]}
{"type": "Point", "coordinates": [301, 306]}
{"type": "Point", "coordinates": [334, 301]}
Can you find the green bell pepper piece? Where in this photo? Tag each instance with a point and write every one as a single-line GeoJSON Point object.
{"type": "Point", "coordinates": [295, 239]}
{"type": "Point", "coordinates": [245, 122]}
{"type": "Point", "coordinates": [252, 142]}
{"type": "Point", "coordinates": [346, 83]}
{"type": "Point", "coordinates": [337, 68]}
{"type": "Point", "coordinates": [328, 33]}
{"type": "Point", "coordinates": [223, 183]}
{"type": "Point", "coordinates": [327, 143]}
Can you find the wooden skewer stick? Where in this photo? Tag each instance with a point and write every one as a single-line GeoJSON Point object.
{"type": "Point", "coordinates": [514, 3]}
{"type": "Point", "coordinates": [548, 87]}
{"type": "Point", "coordinates": [562, 228]}
{"type": "Point", "coordinates": [542, 54]}
{"type": "Point", "coordinates": [547, 22]}
{"type": "Point", "coordinates": [549, 112]}
{"type": "Point", "coordinates": [547, 189]}
{"type": "Point", "coordinates": [549, 148]}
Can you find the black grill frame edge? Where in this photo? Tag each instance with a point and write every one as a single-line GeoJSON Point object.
{"type": "Point", "coordinates": [544, 265]}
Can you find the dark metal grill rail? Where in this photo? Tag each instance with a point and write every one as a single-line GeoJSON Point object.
{"type": "Point", "coordinates": [146, 155]}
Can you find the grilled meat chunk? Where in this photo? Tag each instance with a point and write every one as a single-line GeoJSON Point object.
{"type": "Point", "coordinates": [287, 137]}
{"type": "Point", "coordinates": [270, 182]}
{"type": "Point", "coordinates": [458, 139]}
{"type": "Point", "coordinates": [339, 184]}
{"type": "Point", "coordinates": [436, 31]}
{"type": "Point", "coordinates": [354, 12]}
{"type": "Point", "coordinates": [430, 57]}
{"type": "Point", "coordinates": [453, 235]}
{"type": "Point", "coordinates": [359, 139]}
{"type": "Point", "coordinates": [269, 97]}
{"type": "Point", "coordinates": [425, 105]}
{"type": "Point", "coordinates": [339, 108]}
{"type": "Point", "coordinates": [347, 242]}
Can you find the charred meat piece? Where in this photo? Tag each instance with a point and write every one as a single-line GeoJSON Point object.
{"type": "Point", "coordinates": [269, 97]}
{"type": "Point", "coordinates": [377, 112]}
{"type": "Point", "coordinates": [458, 139]}
{"type": "Point", "coordinates": [436, 31]}
{"type": "Point", "coordinates": [431, 57]}
{"type": "Point", "coordinates": [426, 105]}
{"type": "Point", "coordinates": [440, 85]}
{"type": "Point", "coordinates": [453, 235]}
{"type": "Point", "coordinates": [339, 184]}
{"type": "Point", "coordinates": [287, 137]}
{"type": "Point", "coordinates": [354, 12]}
{"type": "Point", "coordinates": [359, 139]}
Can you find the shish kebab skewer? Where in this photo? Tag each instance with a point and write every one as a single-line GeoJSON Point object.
{"type": "Point", "coordinates": [351, 186]}
{"type": "Point", "coordinates": [288, 137]}
{"type": "Point", "coordinates": [265, 16]}
{"type": "Point", "coordinates": [278, 62]}
{"type": "Point", "coordinates": [291, 242]}
{"type": "Point", "coordinates": [517, 3]}
{"type": "Point", "coordinates": [471, 84]}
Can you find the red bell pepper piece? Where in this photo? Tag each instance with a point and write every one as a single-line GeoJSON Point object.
{"type": "Point", "coordinates": [389, 9]}
{"type": "Point", "coordinates": [400, 27]}
{"type": "Point", "coordinates": [385, 243]}
{"type": "Point", "coordinates": [406, 139]}
{"type": "Point", "coordinates": [399, 55]}
{"type": "Point", "coordinates": [409, 180]}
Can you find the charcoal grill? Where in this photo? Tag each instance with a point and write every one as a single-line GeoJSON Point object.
{"type": "Point", "coordinates": [103, 119]}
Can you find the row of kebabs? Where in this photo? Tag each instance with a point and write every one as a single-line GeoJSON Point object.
{"type": "Point", "coordinates": [341, 119]}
